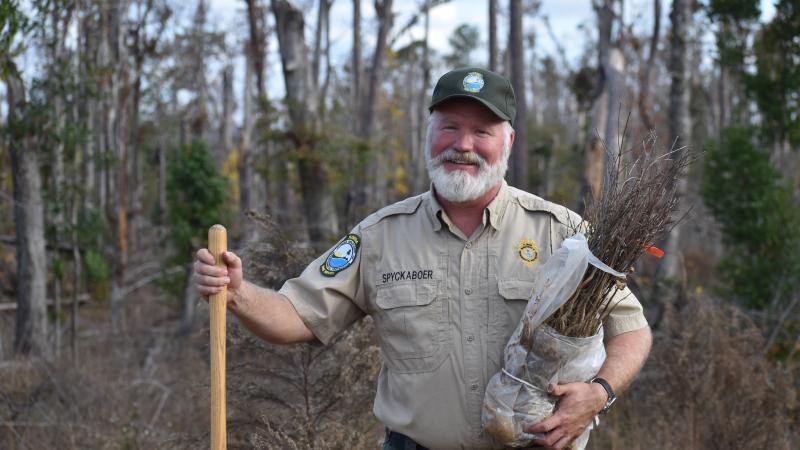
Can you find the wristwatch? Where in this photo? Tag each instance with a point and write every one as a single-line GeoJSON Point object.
{"type": "Point", "coordinates": [609, 391]}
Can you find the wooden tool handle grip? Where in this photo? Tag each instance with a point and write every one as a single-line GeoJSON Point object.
{"type": "Point", "coordinates": [217, 245]}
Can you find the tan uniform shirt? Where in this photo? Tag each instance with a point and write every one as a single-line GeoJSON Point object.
{"type": "Point", "coordinates": [444, 304]}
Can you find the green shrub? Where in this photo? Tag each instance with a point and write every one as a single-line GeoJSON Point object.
{"type": "Point", "coordinates": [759, 223]}
{"type": "Point", "coordinates": [195, 197]}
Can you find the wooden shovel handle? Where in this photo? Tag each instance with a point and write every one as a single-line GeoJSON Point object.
{"type": "Point", "coordinates": [217, 245]}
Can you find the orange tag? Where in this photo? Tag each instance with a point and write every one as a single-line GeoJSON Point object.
{"type": "Point", "coordinates": [655, 251]}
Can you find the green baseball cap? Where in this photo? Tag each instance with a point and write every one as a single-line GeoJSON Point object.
{"type": "Point", "coordinates": [491, 89]}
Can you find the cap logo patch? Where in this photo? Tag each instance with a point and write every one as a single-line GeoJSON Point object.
{"type": "Point", "coordinates": [528, 251]}
{"type": "Point", "coordinates": [473, 82]}
{"type": "Point", "coordinates": [342, 256]}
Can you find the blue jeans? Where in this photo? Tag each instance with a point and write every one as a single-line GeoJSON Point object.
{"type": "Point", "coordinates": [397, 441]}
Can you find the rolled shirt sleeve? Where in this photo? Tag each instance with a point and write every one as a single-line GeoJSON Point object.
{"type": "Point", "coordinates": [626, 313]}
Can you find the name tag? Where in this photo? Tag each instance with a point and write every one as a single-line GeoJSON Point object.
{"type": "Point", "coordinates": [404, 275]}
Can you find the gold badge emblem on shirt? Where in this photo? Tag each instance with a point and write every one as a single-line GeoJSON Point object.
{"type": "Point", "coordinates": [528, 251]}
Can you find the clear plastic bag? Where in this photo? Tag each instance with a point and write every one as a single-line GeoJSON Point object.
{"type": "Point", "coordinates": [536, 355]}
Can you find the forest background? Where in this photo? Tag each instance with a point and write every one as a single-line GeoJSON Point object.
{"type": "Point", "coordinates": [131, 126]}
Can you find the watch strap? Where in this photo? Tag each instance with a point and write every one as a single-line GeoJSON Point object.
{"type": "Point", "coordinates": [610, 392]}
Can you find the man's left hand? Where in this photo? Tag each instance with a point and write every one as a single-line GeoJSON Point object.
{"type": "Point", "coordinates": [578, 403]}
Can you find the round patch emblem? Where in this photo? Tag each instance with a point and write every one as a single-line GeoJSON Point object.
{"type": "Point", "coordinates": [342, 256]}
{"type": "Point", "coordinates": [473, 82]}
{"type": "Point", "coordinates": [528, 251]}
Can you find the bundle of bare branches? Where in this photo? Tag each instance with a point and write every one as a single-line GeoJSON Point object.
{"type": "Point", "coordinates": [637, 207]}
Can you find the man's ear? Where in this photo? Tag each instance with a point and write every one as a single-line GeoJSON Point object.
{"type": "Point", "coordinates": [511, 141]}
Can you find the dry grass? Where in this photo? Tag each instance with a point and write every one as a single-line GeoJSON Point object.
{"type": "Point", "coordinates": [706, 385]}
{"type": "Point", "coordinates": [128, 389]}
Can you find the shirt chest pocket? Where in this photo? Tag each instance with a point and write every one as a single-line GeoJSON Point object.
{"type": "Point", "coordinates": [413, 326]}
{"type": "Point", "coordinates": [506, 309]}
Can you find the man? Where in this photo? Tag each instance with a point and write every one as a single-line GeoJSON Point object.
{"type": "Point", "coordinates": [445, 276]}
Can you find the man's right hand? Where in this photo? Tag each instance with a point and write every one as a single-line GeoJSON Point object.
{"type": "Point", "coordinates": [210, 279]}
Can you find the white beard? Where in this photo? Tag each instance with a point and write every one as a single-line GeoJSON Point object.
{"type": "Point", "coordinates": [460, 186]}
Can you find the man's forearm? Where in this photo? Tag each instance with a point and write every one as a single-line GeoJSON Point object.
{"type": "Point", "coordinates": [268, 314]}
{"type": "Point", "coordinates": [625, 356]}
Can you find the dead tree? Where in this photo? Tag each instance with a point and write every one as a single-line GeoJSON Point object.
{"type": "Point", "coordinates": [679, 123]}
{"type": "Point", "coordinates": [383, 11]}
{"type": "Point", "coordinates": [493, 35]}
{"type": "Point", "coordinates": [519, 154]}
{"type": "Point", "coordinates": [31, 323]}
{"type": "Point", "coordinates": [302, 102]}
{"type": "Point", "coordinates": [594, 156]}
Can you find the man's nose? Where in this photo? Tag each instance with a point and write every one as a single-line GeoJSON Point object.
{"type": "Point", "coordinates": [463, 143]}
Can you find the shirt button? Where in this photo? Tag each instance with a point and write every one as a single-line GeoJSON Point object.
{"type": "Point", "coordinates": [468, 291]}
{"type": "Point", "coordinates": [469, 245]}
{"type": "Point", "coordinates": [474, 386]}
{"type": "Point", "coordinates": [470, 338]}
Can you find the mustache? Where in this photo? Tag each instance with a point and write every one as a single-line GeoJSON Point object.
{"type": "Point", "coordinates": [454, 156]}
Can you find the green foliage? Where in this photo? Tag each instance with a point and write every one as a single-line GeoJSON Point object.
{"type": "Point", "coordinates": [12, 23]}
{"type": "Point", "coordinates": [96, 266]}
{"type": "Point", "coordinates": [195, 195]}
{"type": "Point", "coordinates": [738, 10]}
{"type": "Point", "coordinates": [776, 83]}
{"type": "Point", "coordinates": [734, 19]}
{"type": "Point", "coordinates": [759, 223]}
{"type": "Point", "coordinates": [463, 41]}
{"type": "Point", "coordinates": [97, 272]}
{"type": "Point", "coordinates": [583, 84]}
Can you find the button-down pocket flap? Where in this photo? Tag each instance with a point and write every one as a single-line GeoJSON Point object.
{"type": "Point", "coordinates": [515, 289]}
{"type": "Point", "coordinates": [406, 295]}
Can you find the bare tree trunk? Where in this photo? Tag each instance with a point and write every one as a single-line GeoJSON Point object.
{"type": "Point", "coordinates": [60, 24]}
{"type": "Point", "coordinates": [519, 153]}
{"type": "Point", "coordinates": [722, 93]}
{"type": "Point", "coordinates": [244, 165]}
{"type": "Point", "coordinates": [139, 52]}
{"type": "Point", "coordinates": [257, 44]}
{"type": "Point", "coordinates": [77, 198]}
{"type": "Point", "coordinates": [366, 189]}
{"type": "Point", "coordinates": [615, 78]}
{"type": "Point", "coordinates": [420, 178]}
{"type": "Point", "coordinates": [594, 157]}
{"type": "Point", "coordinates": [679, 124]}
{"type": "Point", "coordinates": [119, 134]}
{"type": "Point", "coordinates": [644, 78]}
{"type": "Point", "coordinates": [317, 52]}
{"type": "Point", "coordinates": [31, 321]}
{"type": "Point", "coordinates": [76, 285]}
{"type": "Point", "coordinates": [189, 304]}
{"type": "Point", "coordinates": [301, 98]}
{"type": "Point", "coordinates": [328, 65]}
{"type": "Point", "coordinates": [162, 178]}
{"type": "Point", "coordinates": [383, 11]}
{"type": "Point", "coordinates": [357, 178]}
{"type": "Point", "coordinates": [226, 128]}
{"type": "Point", "coordinates": [199, 118]}
{"type": "Point", "coordinates": [493, 35]}
{"type": "Point", "coordinates": [356, 62]}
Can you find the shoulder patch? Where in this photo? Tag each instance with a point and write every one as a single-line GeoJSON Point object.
{"type": "Point", "coordinates": [342, 256]}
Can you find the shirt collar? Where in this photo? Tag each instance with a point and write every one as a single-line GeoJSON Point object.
{"type": "Point", "coordinates": [497, 208]}
{"type": "Point", "coordinates": [494, 211]}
